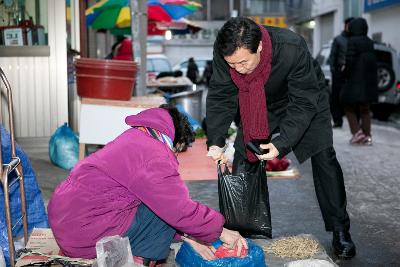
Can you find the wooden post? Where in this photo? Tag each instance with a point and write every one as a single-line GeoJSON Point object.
{"type": "Point", "coordinates": [81, 151]}
{"type": "Point", "coordinates": [83, 29]}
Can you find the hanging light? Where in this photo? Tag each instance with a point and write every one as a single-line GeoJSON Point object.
{"type": "Point", "coordinates": [168, 35]}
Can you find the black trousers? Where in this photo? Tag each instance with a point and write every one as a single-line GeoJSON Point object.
{"type": "Point", "coordinates": [336, 106]}
{"type": "Point", "coordinates": [329, 187]}
{"type": "Point", "coordinates": [330, 190]}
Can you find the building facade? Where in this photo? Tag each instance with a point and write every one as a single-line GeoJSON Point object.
{"type": "Point", "coordinates": [211, 18]}
{"type": "Point", "coordinates": [382, 17]}
{"type": "Point", "coordinates": [35, 65]}
{"type": "Point", "coordinates": [299, 19]}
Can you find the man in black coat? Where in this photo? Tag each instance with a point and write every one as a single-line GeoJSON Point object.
{"type": "Point", "coordinates": [337, 61]}
{"type": "Point", "coordinates": [296, 102]}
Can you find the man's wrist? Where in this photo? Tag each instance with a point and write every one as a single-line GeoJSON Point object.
{"type": "Point", "coordinates": [216, 150]}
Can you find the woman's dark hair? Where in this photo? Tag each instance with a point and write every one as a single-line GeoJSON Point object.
{"type": "Point", "coordinates": [237, 33]}
{"type": "Point", "coordinates": [183, 131]}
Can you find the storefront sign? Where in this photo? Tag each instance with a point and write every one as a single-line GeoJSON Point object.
{"type": "Point", "coordinates": [371, 5]}
{"type": "Point", "coordinates": [270, 21]}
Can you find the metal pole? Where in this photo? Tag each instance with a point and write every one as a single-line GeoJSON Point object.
{"type": "Point", "coordinates": [208, 10]}
{"type": "Point", "coordinates": [139, 41]}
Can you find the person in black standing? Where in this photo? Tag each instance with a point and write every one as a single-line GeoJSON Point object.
{"type": "Point", "coordinates": [115, 46]}
{"type": "Point", "coordinates": [269, 75]}
{"type": "Point", "coordinates": [192, 71]}
{"type": "Point", "coordinates": [337, 61]}
{"type": "Point", "coordinates": [207, 72]}
{"type": "Point", "coordinates": [361, 87]}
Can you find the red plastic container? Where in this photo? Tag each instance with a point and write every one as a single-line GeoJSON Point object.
{"type": "Point", "coordinates": [106, 70]}
{"type": "Point", "coordinates": [105, 79]}
{"type": "Point", "coordinates": [105, 87]}
{"type": "Point", "coordinates": [96, 61]}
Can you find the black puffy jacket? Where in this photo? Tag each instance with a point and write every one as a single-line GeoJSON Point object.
{"type": "Point", "coordinates": [361, 85]}
{"type": "Point", "coordinates": [337, 57]}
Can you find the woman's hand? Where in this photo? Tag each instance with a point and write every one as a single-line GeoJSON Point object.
{"type": "Point", "coordinates": [233, 239]}
{"type": "Point", "coordinates": [207, 252]}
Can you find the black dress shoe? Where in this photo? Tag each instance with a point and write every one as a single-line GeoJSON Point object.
{"type": "Point", "coordinates": [342, 244]}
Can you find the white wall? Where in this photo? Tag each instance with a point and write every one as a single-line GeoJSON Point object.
{"type": "Point", "coordinates": [322, 6]}
{"type": "Point", "coordinates": [324, 30]}
{"type": "Point", "coordinates": [386, 21]}
{"type": "Point", "coordinates": [177, 53]}
{"type": "Point", "coordinates": [39, 84]}
{"type": "Point", "coordinates": [328, 16]}
{"type": "Point", "coordinates": [179, 49]}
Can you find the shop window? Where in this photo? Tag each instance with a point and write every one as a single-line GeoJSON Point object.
{"type": "Point", "coordinates": [352, 8]}
{"type": "Point", "coordinates": [23, 22]}
{"type": "Point", "coordinates": [258, 7]}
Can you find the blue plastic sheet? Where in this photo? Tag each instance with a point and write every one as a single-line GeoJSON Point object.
{"type": "Point", "coordinates": [187, 257]}
{"type": "Point", "coordinates": [36, 213]}
{"type": "Point", "coordinates": [64, 147]}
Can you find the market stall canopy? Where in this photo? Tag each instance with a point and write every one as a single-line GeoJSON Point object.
{"type": "Point", "coordinates": [181, 26]}
{"type": "Point", "coordinates": [111, 14]}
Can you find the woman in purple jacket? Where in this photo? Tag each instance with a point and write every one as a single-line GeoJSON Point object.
{"type": "Point", "coordinates": [132, 188]}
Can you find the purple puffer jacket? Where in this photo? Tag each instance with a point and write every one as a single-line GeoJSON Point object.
{"type": "Point", "coordinates": [101, 194]}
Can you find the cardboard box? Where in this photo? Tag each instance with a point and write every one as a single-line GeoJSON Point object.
{"type": "Point", "coordinates": [42, 248]}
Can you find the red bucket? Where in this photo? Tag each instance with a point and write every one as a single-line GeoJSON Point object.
{"type": "Point", "coordinates": [106, 79]}
{"type": "Point", "coordinates": [106, 70]}
{"type": "Point", "coordinates": [105, 87]}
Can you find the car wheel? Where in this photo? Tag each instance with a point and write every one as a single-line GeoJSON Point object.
{"type": "Point", "coordinates": [385, 77]}
{"type": "Point", "coordinates": [382, 111]}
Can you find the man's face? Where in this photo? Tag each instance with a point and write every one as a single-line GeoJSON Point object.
{"type": "Point", "coordinates": [243, 61]}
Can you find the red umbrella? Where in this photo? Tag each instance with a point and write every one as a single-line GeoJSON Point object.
{"type": "Point", "coordinates": [158, 13]}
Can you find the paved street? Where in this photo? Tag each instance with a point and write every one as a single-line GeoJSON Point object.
{"type": "Point", "coordinates": [373, 185]}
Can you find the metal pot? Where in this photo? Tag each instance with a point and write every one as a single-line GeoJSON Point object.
{"type": "Point", "coordinates": [191, 102]}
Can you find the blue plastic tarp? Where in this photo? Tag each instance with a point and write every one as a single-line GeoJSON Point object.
{"type": "Point", "coordinates": [187, 257]}
{"type": "Point", "coordinates": [37, 217]}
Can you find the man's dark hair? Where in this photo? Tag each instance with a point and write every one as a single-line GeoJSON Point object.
{"type": "Point", "coordinates": [348, 20]}
{"type": "Point", "coordinates": [183, 131]}
{"type": "Point", "coordinates": [237, 33]}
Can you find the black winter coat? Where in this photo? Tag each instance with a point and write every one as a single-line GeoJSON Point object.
{"type": "Point", "coordinates": [361, 84]}
{"type": "Point", "coordinates": [337, 57]}
{"type": "Point", "coordinates": [192, 72]}
{"type": "Point", "coordinates": [296, 96]}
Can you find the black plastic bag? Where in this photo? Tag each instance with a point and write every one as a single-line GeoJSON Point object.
{"type": "Point", "coordinates": [244, 199]}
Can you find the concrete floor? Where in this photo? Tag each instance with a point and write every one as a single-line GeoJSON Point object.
{"type": "Point", "coordinates": [372, 183]}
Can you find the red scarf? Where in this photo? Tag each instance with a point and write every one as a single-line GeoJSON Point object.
{"type": "Point", "coordinates": [252, 99]}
